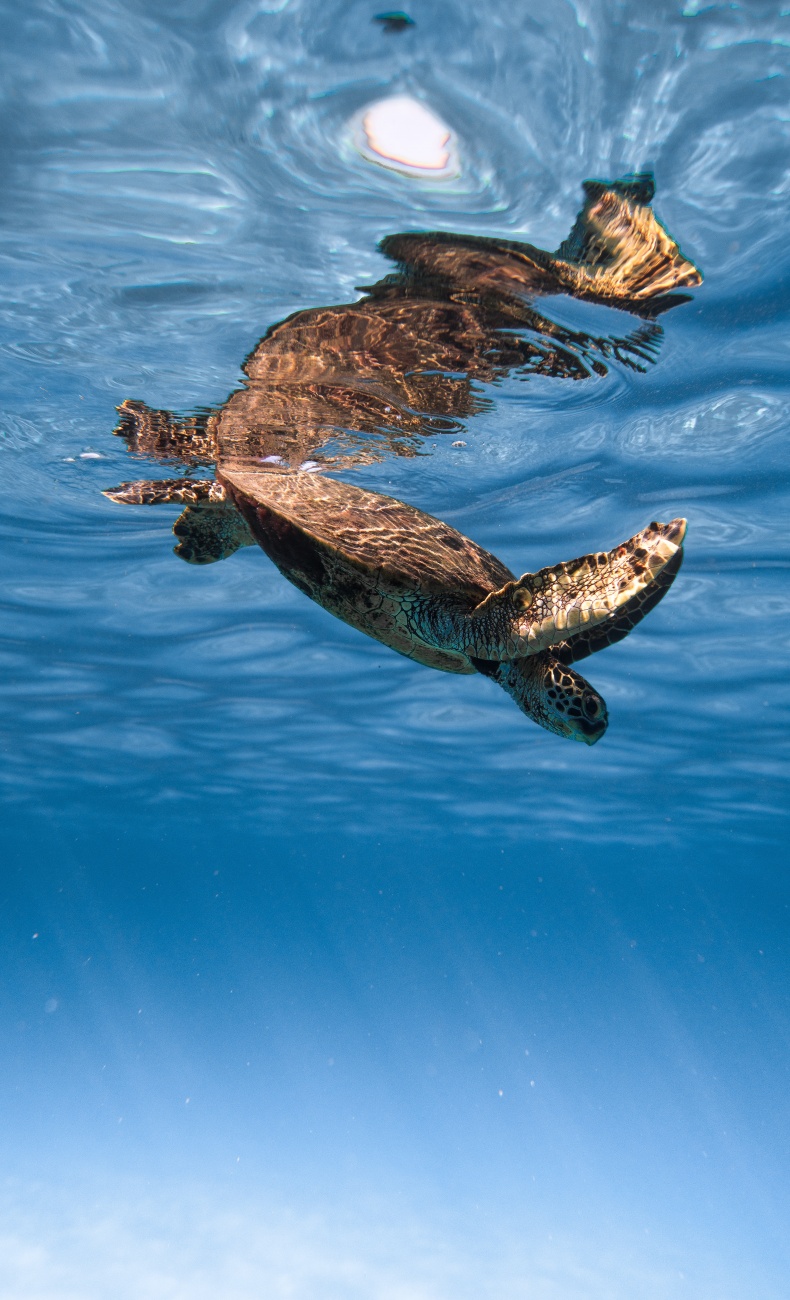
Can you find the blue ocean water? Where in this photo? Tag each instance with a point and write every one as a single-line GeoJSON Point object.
{"type": "Point", "coordinates": [326, 976]}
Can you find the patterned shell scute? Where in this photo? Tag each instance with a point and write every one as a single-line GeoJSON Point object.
{"type": "Point", "coordinates": [402, 548]}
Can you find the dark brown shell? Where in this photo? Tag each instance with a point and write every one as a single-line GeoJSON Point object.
{"type": "Point", "coordinates": [398, 545]}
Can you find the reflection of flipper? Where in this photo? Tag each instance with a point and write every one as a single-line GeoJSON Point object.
{"type": "Point", "coordinates": [617, 252]}
{"type": "Point", "coordinates": [620, 248]}
{"type": "Point", "coordinates": [552, 694]}
{"type": "Point", "coordinates": [210, 528]}
{"type": "Point", "coordinates": [159, 435]}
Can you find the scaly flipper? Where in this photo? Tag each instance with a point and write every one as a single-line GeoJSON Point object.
{"type": "Point", "coordinates": [210, 529]}
{"type": "Point", "coordinates": [207, 533]}
{"type": "Point", "coordinates": [166, 491]}
{"type": "Point", "coordinates": [624, 620]}
{"type": "Point", "coordinates": [550, 692]}
{"type": "Point", "coordinates": [544, 609]}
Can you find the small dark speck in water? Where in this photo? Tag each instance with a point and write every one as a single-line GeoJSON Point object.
{"type": "Point", "coordinates": [396, 21]}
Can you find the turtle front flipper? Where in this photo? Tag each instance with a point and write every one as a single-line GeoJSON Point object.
{"type": "Point", "coordinates": [541, 610]}
{"type": "Point", "coordinates": [166, 491]}
{"type": "Point", "coordinates": [552, 694]}
{"type": "Point", "coordinates": [624, 620]}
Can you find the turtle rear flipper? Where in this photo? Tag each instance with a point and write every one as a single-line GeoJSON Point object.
{"type": "Point", "coordinates": [210, 529]}
{"type": "Point", "coordinates": [166, 491]}
{"type": "Point", "coordinates": [210, 532]}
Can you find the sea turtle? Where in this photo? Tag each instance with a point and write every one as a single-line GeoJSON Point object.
{"type": "Point", "coordinates": [424, 589]}
{"type": "Point", "coordinates": [346, 383]}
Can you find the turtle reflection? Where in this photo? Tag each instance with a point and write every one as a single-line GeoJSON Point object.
{"type": "Point", "coordinates": [349, 383]}
{"type": "Point", "coordinates": [415, 584]}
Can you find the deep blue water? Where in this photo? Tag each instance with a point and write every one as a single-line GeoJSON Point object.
{"type": "Point", "coordinates": [325, 976]}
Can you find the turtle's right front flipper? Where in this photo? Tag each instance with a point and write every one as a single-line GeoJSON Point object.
{"type": "Point", "coordinates": [210, 529]}
{"type": "Point", "coordinates": [167, 491]}
{"type": "Point", "coordinates": [623, 620]}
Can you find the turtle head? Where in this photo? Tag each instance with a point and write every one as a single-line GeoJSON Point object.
{"type": "Point", "coordinates": [552, 694]}
{"type": "Point", "coordinates": [563, 702]}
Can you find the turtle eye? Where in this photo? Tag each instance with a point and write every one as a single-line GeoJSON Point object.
{"type": "Point", "coordinates": [592, 706]}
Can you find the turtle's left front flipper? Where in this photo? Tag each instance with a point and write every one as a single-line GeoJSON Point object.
{"type": "Point", "coordinates": [544, 609]}
{"type": "Point", "coordinates": [624, 620]}
{"type": "Point", "coordinates": [210, 529]}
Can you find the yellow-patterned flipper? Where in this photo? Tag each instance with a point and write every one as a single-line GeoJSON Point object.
{"type": "Point", "coordinates": [543, 609]}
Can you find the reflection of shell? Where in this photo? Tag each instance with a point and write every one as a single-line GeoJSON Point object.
{"type": "Point", "coordinates": [401, 133]}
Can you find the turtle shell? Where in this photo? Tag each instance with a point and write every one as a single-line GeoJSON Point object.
{"type": "Point", "coordinates": [398, 548]}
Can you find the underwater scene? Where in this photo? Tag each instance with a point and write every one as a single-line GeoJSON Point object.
{"type": "Point", "coordinates": [394, 631]}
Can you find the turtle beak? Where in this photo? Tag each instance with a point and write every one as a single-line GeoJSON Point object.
{"type": "Point", "coordinates": [589, 733]}
{"type": "Point", "coordinates": [594, 720]}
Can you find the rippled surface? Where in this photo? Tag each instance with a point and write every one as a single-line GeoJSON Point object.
{"type": "Point", "coordinates": [417, 885]}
